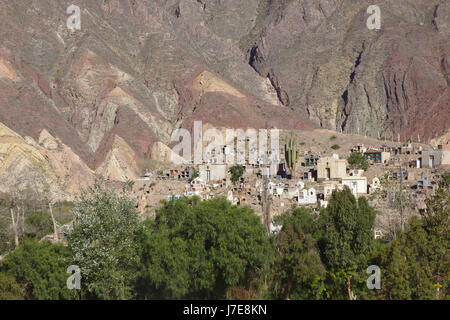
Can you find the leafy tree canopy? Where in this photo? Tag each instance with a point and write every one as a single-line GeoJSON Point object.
{"type": "Point", "coordinates": [298, 261]}
{"type": "Point", "coordinates": [9, 288]}
{"type": "Point", "coordinates": [41, 269]}
{"type": "Point", "coordinates": [199, 249]}
{"type": "Point", "coordinates": [416, 264]}
{"type": "Point", "coordinates": [357, 160]}
{"type": "Point", "coordinates": [104, 243]}
{"type": "Point", "coordinates": [236, 173]}
{"type": "Point", "coordinates": [346, 227]}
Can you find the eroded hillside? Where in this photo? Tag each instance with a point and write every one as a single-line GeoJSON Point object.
{"type": "Point", "coordinates": [137, 70]}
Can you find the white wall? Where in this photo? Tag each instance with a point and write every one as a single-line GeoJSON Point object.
{"type": "Point", "coordinates": [361, 185]}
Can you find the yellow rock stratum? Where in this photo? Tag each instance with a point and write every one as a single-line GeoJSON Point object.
{"type": "Point", "coordinates": [208, 82]}
{"type": "Point", "coordinates": [119, 164]}
{"type": "Point", "coordinates": [6, 71]}
{"type": "Point", "coordinates": [52, 165]}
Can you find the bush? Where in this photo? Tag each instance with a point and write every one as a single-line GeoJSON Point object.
{"type": "Point", "coordinates": [41, 269]}
{"type": "Point", "coordinates": [236, 173]}
{"type": "Point", "coordinates": [38, 224]}
{"type": "Point", "coordinates": [333, 137]}
{"type": "Point", "coordinates": [9, 288]}
{"type": "Point", "coordinates": [335, 147]}
{"type": "Point", "coordinates": [6, 236]}
{"type": "Point", "coordinates": [357, 161]}
{"type": "Point", "coordinates": [195, 174]}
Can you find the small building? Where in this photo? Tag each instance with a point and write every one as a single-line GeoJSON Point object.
{"type": "Point", "coordinates": [171, 173]}
{"type": "Point", "coordinates": [436, 158]}
{"type": "Point", "coordinates": [411, 175]}
{"type": "Point", "coordinates": [331, 168]}
{"type": "Point", "coordinates": [143, 179]}
{"type": "Point", "coordinates": [212, 172]}
{"type": "Point", "coordinates": [148, 173]}
{"type": "Point", "coordinates": [377, 156]}
{"type": "Point", "coordinates": [329, 187]}
{"type": "Point", "coordinates": [279, 189]}
{"type": "Point", "coordinates": [407, 149]}
{"type": "Point", "coordinates": [269, 170]}
{"type": "Point", "coordinates": [307, 196]}
{"type": "Point", "coordinates": [271, 187]}
{"type": "Point", "coordinates": [275, 229]}
{"type": "Point", "coordinates": [290, 193]}
{"type": "Point", "coordinates": [404, 174]}
{"type": "Point", "coordinates": [358, 185]}
{"type": "Point", "coordinates": [323, 203]}
{"type": "Point", "coordinates": [378, 234]}
{"type": "Point", "coordinates": [311, 160]}
{"type": "Point", "coordinates": [375, 185]}
{"type": "Point", "coordinates": [395, 162]}
{"type": "Point", "coordinates": [386, 148]}
{"type": "Point", "coordinates": [231, 198]}
{"type": "Point", "coordinates": [358, 148]}
{"type": "Point", "coordinates": [186, 174]}
{"type": "Point", "coordinates": [171, 197]}
{"type": "Point", "coordinates": [309, 175]}
{"type": "Point", "coordinates": [425, 182]}
{"type": "Point", "coordinates": [356, 173]}
{"type": "Point", "coordinates": [196, 187]}
{"type": "Point", "coordinates": [300, 185]}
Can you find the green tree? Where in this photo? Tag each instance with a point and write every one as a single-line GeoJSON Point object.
{"type": "Point", "coordinates": [6, 236]}
{"type": "Point", "coordinates": [346, 227]}
{"type": "Point", "coordinates": [128, 185]}
{"type": "Point", "coordinates": [38, 224]}
{"type": "Point", "coordinates": [405, 274]}
{"type": "Point", "coordinates": [236, 173]}
{"type": "Point", "coordinates": [298, 261]}
{"type": "Point", "coordinates": [104, 243]}
{"type": "Point", "coordinates": [9, 288]}
{"type": "Point", "coordinates": [41, 269]}
{"type": "Point", "coordinates": [195, 174]}
{"type": "Point", "coordinates": [416, 265]}
{"type": "Point", "coordinates": [445, 183]}
{"type": "Point", "coordinates": [357, 161]}
{"type": "Point", "coordinates": [200, 250]}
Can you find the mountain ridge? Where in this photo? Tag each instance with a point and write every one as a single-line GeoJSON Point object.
{"type": "Point", "coordinates": [137, 70]}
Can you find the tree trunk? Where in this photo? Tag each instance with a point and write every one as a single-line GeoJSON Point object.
{"type": "Point", "coordinates": [23, 220]}
{"type": "Point", "coordinates": [349, 289]}
{"type": "Point", "coordinates": [14, 224]}
{"type": "Point", "coordinates": [288, 291]}
{"type": "Point", "coordinates": [53, 220]}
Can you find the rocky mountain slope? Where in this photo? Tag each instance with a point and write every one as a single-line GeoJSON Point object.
{"type": "Point", "coordinates": [137, 70]}
{"type": "Point", "coordinates": [325, 62]}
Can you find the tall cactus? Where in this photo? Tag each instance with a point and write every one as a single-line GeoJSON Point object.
{"type": "Point", "coordinates": [291, 153]}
